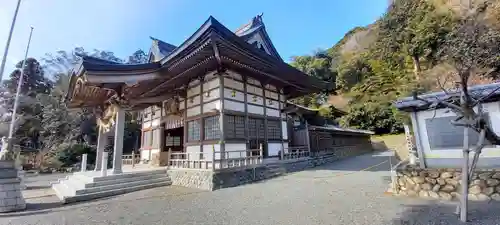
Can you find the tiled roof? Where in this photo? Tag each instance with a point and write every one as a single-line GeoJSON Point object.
{"type": "Point", "coordinates": [164, 47]}
{"type": "Point", "coordinates": [478, 91]}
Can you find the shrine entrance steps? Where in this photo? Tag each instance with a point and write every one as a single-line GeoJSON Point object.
{"type": "Point", "coordinates": [84, 186]}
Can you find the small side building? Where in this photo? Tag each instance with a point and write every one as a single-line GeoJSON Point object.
{"type": "Point", "coordinates": [324, 136]}
{"type": "Point", "coordinates": [439, 143]}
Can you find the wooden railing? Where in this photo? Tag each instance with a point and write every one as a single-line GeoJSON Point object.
{"type": "Point", "coordinates": [131, 159]}
{"type": "Point", "coordinates": [189, 160]}
{"type": "Point", "coordinates": [232, 159]}
{"type": "Point", "coordinates": [296, 152]}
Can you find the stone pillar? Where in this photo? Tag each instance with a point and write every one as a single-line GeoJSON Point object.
{"type": "Point", "coordinates": [11, 198]}
{"type": "Point", "coordinates": [102, 141]}
{"type": "Point", "coordinates": [84, 163]}
{"type": "Point", "coordinates": [104, 164]}
{"type": "Point", "coordinates": [118, 148]}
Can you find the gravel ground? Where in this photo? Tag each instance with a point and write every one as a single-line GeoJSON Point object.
{"type": "Point", "coordinates": [332, 194]}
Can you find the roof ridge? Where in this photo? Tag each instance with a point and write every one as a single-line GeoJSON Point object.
{"type": "Point", "coordinates": [255, 19]}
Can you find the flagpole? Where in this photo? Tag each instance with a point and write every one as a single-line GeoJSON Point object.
{"type": "Point", "coordinates": [6, 51]}
{"type": "Point", "coordinates": [19, 85]}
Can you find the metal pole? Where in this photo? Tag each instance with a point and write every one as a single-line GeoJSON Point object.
{"type": "Point", "coordinates": [6, 51]}
{"type": "Point", "coordinates": [19, 85]}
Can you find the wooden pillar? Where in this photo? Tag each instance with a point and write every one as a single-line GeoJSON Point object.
{"type": "Point", "coordinates": [222, 145]}
{"type": "Point", "coordinates": [308, 141]}
{"type": "Point", "coordinates": [118, 148]}
{"type": "Point", "coordinates": [184, 117]}
{"type": "Point", "coordinates": [281, 126]}
{"type": "Point", "coordinates": [202, 120]}
{"type": "Point", "coordinates": [245, 94]}
{"type": "Point", "coordinates": [265, 119]}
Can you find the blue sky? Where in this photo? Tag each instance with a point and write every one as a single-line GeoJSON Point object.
{"type": "Point", "coordinates": [123, 26]}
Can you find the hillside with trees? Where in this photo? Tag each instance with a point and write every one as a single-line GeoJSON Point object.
{"type": "Point", "coordinates": [415, 45]}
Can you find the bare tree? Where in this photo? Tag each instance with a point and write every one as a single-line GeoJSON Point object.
{"type": "Point", "coordinates": [473, 49]}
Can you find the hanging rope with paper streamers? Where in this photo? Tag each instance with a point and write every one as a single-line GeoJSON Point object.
{"type": "Point", "coordinates": [107, 121]}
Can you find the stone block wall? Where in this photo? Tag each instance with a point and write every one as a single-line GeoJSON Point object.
{"type": "Point", "coordinates": [200, 179]}
{"type": "Point", "coordinates": [213, 180]}
{"type": "Point", "coordinates": [445, 184]}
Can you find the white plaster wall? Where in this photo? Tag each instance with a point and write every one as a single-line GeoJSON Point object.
{"type": "Point", "coordinates": [494, 112]}
{"type": "Point", "coordinates": [272, 112]}
{"type": "Point", "coordinates": [211, 84]}
{"type": "Point", "coordinates": [271, 94]}
{"type": "Point", "coordinates": [147, 154]}
{"type": "Point", "coordinates": [209, 149]}
{"type": "Point", "coordinates": [193, 101]}
{"type": "Point", "coordinates": [193, 152]}
{"type": "Point", "coordinates": [212, 95]}
{"type": "Point", "coordinates": [253, 82]}
{"type": "Point", "coordinates": [255, 109]}
{"type": "Point", "coordinates": [228, 82]}
{"type": "Point", "coordinates": [193, 111]}
{"type": "Point", "coordinates": [254, 90]}
{"type": "Point", "coordinates": [155, 122]}
{"type": "Point", "coordinates": [235, 150]}
{"type": "Point", "coordinates": [238, 95]}
{"type": "Point", "coordinates": [210, 106]}
{"type": "Point", "coordinates": [272, 103]}
{"type": "Point", "coordinates": [146, 125]}
{"type": "Point", "coordinates": [273, 149]}
{"type": "Point", "coordinates": [234, 75]}
{"type": "Point", "coordinates": [235, 106]}
{"type": "Point", "coordinates": [257, 101]}
{"type": "Point", "coordinates": [193, 91]}
{"type": "Point", "coordinates": [284, 130]}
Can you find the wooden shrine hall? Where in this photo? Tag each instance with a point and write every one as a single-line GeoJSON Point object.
{"type": "Point", "coordinates": [218, 95]}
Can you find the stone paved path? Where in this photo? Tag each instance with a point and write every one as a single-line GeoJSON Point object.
{"type": "Point", "coordinates": [333, 194]}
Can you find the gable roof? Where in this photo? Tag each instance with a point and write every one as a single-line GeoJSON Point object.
{"type": "Point", "coordinates": [256, 27]}
{"type": "Point", "coordinates": [409, 104]}
{"type": "Point", "coordinates": [160, 48]}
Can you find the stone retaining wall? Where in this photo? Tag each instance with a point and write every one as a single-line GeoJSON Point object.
{"type": "Point", "coordinates": [446, 184]}
{"type": "Point", "coordinates": [213, 180]}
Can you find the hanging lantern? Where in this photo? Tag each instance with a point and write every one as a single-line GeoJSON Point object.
{"type": "Point", "coordinates": [233, 93]}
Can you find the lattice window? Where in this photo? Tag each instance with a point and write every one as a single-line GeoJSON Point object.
{"type": "Point", "coordinates": [256, 128]}
{"type": "Point", "coordinates": [235, 126]}
{"type": "Point", "coordinates": [172, 141]}
{"type": "Point", "coordinates": [212, 127]}
{"type": "Point", "coordinates": [193, 130]}
{"type": "Point", "coordinates": [273, 130]}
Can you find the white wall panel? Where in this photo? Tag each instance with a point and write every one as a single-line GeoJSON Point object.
{"type": "Point", "coordinates": [272, 112]}
{"type": "Point", "coordinates": [235, 150]}
{"type": "Point", "coordinates": [255, 109]}
{"type": "Point", "coordinates": [193, 111]}
{"type": "Point", "coordinates": [235, 106]}
{"type": "Point", "coordinates": [272, 103]}
{"type": "Point", "coordinates": [272, 95]}
{"type": "Point", "coordinates": [155, 122]}
{"type": "Point", "coordinates": [274, 149]}
{"type": "Point", "coordinates": [254, 90]}
{"type": "Point", "coordinates": [254, 99]}
{"type": "Point", "coordinates": [212, 95]}
{"type": "Point", "coordinates": [193, 152]}
{"type": "Point", "coordinates": [238, 95]}
{"type": "Point", "coordinates": [238, 85]}
{"type": "Point", "coordinates": [193, 101]}
{"type": "Point", "coordinates": [211, 84]}
{"type": "Point", "coordinates": [284, 130]}
{"type": "Point", "coordinates": [211, 106]}
{"type": "Point", "coordinates": [208, 151]}
{"type": "Point", "coordinates": [193, 91]}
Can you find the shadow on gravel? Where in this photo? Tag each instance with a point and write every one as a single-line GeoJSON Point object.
{"type": "Point", "coordinates": [444, 214]}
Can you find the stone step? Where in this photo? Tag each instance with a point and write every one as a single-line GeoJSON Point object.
{"type": "Point", "coordinates": [102, 194]}
{"type": "Point", "coordinates": [125, 180]}
{"type": "Point", "coordinates": [129, 175]}
{"type": "Point", "coordinates": [120, 185]}
{"type": "Point", "coordinates": [60, 190]}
